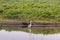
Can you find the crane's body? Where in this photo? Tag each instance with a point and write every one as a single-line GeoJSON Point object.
{"type": "Point", "coordinates": [29, 26]}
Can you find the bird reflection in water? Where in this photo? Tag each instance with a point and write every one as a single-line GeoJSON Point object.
{"type": "Point", "coordinates": [29, 29]}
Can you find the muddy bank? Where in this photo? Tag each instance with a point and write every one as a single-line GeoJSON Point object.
{"type": "Point", "coordinates": [25, 24]}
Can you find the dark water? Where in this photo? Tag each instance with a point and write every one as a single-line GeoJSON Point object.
{"type": "Point", "coordinates": [20, 35]}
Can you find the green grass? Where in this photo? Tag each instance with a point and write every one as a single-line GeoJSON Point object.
{"type": "Point", "coordinates": [25, 10]}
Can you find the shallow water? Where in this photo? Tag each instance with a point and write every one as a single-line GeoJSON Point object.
{"type": "Point", "coordinates": [20, 35]}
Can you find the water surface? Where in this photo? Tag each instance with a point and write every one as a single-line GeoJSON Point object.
{"type": "Point", "coordinates": [20, 35]}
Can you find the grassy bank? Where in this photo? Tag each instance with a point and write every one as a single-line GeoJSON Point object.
{"type": "Point", "coordinates": [19, 20]}
{"type": "Point", "coordinates": [25, 10]}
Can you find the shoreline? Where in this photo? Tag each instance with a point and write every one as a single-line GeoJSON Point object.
{"type": "Point", "coordinates": [25, 24]}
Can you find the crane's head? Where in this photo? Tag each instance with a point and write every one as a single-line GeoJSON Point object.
{"type": "Point", "coordinates": [30, 22]}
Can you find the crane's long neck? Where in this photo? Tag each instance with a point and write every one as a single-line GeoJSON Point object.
{"type": "Point", "coordinates": [30, 22]}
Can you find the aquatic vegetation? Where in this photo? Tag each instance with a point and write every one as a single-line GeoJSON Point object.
{"type": "Point", "coordinates": [46, 30]}
{"type": "Point", "coordinates": [35, 30]}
